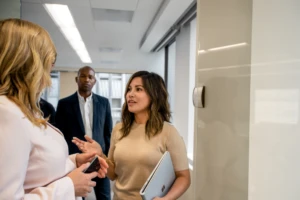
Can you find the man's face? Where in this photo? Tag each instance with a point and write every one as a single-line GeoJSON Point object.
{"type": "Point", "coordinates": [86, 80]}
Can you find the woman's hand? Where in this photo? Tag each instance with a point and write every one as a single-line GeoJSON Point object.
{"type": "Point", "coordinates": [82, 182]}
{"type": "Point", "coordinates": [103, 168]}
{"type": "Point", "coordinates": [83, 158]}
{"type": "Point", "coordinates": [181, 184]}
{"type": "Point", "coordinates": [88, 157]}
{"type": "Point", "coordinates": [91, 146]}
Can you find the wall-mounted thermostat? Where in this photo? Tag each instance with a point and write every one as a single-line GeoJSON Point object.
{"type": "Point", "coordinates": [198, 97]}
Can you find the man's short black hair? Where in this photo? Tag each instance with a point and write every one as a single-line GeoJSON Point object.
{"type": "Point", "coordinates": [85, 67]}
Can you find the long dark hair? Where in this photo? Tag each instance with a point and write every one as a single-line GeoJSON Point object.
{"type": "Point", "coordinates": [159, 108]}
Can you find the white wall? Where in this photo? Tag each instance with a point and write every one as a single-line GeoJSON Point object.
{"type": "Point", "coordinates": [192, 75]}
{"type": "Point", "coordinates": [171, 75]}
{"type": "Point", "coordinates": [251, 89]}
{"type": "Point", "coordinates": [157, 63]}
{"type": "Point", "coordinates": [181, 85]}
{"type": "Point", "coordinates": [181, 80]}
{"type": "Point", "coordinates": [275, 95]}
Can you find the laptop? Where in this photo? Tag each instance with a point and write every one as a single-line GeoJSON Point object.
{"type": "Point", "coordinates": [160, 180]}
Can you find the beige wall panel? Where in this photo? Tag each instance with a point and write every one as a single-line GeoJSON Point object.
{"type": "Point", "coordinates": [275, 101]}
{"type": "Point", "coordinates": [67, 84]}
{"type": "Point", "coordinates": [222, 126]}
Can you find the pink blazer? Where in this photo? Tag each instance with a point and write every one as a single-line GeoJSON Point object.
{"type": "Point", "coordinates": [34, 161]}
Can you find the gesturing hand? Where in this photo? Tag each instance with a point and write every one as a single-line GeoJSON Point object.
{"type": "Point", "coordinates": [83, 158]}
{"type": "Point", "coordinates": [103, 168]}
{"type": "Point", "coordinates": [87, 157]}
{"type": "Point", "coordinates": [91, 146]}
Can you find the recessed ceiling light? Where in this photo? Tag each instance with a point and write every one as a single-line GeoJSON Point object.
{"type": "Point", "coordinates": [62, 17]}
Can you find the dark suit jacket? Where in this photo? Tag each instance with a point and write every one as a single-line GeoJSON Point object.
{"type": "Point", "coordinates": [69, 120]}
{"type": "Point", "coordinates": [48, 110]}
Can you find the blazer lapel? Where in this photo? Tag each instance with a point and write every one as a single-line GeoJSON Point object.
{"type": "Point", "coordinates": [78, 113]}
{"type": "Point", "coordinates": [96, 108]}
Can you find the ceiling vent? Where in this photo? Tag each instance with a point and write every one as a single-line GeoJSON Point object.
{"type": "Point", "coordinates": [112, 15]}
{"type": "Point", "coordinates": [110, 49]}
{"type": "Point", "coordinates": [109, 62]}
{"type": "Point", "coordinates": [110, 55]}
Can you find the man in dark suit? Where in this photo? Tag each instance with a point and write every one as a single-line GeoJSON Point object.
{"type": "Point", "coordinates": [86, 113]}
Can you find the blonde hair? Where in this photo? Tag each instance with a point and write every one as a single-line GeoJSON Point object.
{"type": "Point", "coordinates": [27, 54]}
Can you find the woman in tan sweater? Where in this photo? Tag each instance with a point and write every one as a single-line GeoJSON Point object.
{"type": "Point", "coordinates": [138, 143]}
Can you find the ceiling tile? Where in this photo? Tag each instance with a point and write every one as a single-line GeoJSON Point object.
{"type": "Point", "coordinates": [31, 1]}
{"type": "Point", "coordinates": [112, 15]}
{"type": "Point", "coordinates": [109, 43]}
{"type": "Point", "coordinates": [115, 4]}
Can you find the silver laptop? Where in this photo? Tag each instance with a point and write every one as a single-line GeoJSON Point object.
{"type": "Point", "coordinates": [160, 180]}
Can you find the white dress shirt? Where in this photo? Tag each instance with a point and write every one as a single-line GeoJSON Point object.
{"type": "Point", "coordinates": [86, 109]}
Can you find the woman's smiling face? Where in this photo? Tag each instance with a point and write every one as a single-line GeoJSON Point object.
{"type": "Point", "coordinates": [137, 98]}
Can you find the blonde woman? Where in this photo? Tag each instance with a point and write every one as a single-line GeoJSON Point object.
{"type": "Point", "coordinates": [34, 161]}
{"type": "Point", "coordinates": [140, 140]}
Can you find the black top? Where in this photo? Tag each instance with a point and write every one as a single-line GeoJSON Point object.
{"type": "Point", "coordinates": [48, 110]}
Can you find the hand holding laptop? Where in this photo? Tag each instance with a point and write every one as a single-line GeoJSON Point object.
{"type": "Point", "coordinates": [160, 180]}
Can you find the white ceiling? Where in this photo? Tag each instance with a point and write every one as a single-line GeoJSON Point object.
{"type": "Point", "coordinates": [115, 44]}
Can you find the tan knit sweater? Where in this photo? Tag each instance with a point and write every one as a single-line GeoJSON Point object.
{"type": "Point", "coordinates": [135, 157]}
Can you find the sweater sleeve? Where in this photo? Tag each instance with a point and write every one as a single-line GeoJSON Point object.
{"type": "Point", "coordinates": [113, 141]}
{"type": "Point", "coordinates": [176, 147]}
